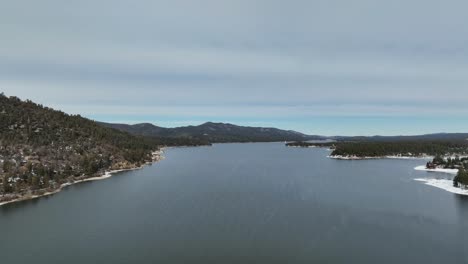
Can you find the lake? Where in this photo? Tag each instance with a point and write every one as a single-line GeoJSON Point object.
{"type": "Point", "coordinates": [244, 203]}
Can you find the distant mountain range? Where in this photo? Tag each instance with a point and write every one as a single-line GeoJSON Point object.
{"type": "Point", "coordinates": [211, 132]}
{"type": "Point", "coordinates": [215, 132]}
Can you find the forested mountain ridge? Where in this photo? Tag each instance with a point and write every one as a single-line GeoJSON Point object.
{"type": "Point", "coordinates": [41, 148]}
{"type": "Point", "coordinates": [215, 132]}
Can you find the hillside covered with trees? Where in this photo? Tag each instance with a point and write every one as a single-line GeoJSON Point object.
{"type": "Point", "coordinates": [41, 148]}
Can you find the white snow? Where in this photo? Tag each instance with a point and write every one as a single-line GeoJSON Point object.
{"type": "Point", "coordinates": [423, 168]}
{"type": "Point", "coordinates": [443, 184]}
{"type": "Point", "coordinates": [383, 157]}
{"type": "Point", "coordinates": [410, 157]}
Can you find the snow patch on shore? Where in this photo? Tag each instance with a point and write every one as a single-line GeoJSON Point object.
{"type": "Point", "coordinates": [339, 157]}
{"type": "Point", "coordinates": [423, 168]}
{"type": "Point", "coordinates": [157, 156]}
{"type": "Point", "coordinates": [443, 184]}
{"type": "Point", "coordinates": [410, 157]}
{"type": "Point", "coordinates": [106, 175]}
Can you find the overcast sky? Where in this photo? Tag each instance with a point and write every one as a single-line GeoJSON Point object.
{"type": "Point", "coordinates": [321, 67]}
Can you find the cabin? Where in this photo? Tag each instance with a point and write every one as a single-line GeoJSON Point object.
{"type": "Point", "coordinates": [431, 166]}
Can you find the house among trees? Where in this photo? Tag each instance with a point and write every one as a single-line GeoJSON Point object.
{"type": "Point", "coordinates": [449, 163]}
{"type": "Point", "coordinates": [431, 165]}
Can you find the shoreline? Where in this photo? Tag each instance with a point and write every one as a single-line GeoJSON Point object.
{"type": "Point", "coordinates": [443, 184]}
{"type": "Point", "coordinates": [449, 171]}
{"type": "Point", "coordinates": [157, 156]}
{"type": "Point", "coordinates": [339, 157]}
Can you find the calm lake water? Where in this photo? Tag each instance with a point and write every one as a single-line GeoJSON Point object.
{"type": "Point", "coordinates": [244, 203]}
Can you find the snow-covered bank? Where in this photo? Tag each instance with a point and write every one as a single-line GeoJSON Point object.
{"type": "Point", "coordinates": [444, 184]}
{"type": "Point", "coordinates": [106, 175]}
{"type": "Point", "coordinates": [339, 157]}
{"type": "Point", "coordinates": [410, 157]}
{"type": "Point", "coordinates": [423, 168]}
{"type": "Point", "coordinates": [157, 156]}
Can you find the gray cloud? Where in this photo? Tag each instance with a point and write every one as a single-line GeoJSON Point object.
{"type": "Point", "coordinates": [238, 59]}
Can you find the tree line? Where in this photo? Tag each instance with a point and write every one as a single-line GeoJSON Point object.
{"type": "Point", "coordinates": [400, 148]}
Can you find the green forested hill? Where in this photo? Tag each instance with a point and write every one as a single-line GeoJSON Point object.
{"type": "Point", "coordinates": [40, 148]}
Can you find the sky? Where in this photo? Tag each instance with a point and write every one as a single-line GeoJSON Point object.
{"type": "Point", "coordinates": [331, 67]}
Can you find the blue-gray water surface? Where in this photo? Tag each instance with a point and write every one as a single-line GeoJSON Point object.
{"type": "Point", "coordinates": [243, 203]}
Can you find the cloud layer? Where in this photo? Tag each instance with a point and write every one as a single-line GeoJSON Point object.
{"type": "Point", "coordinates": [307, 65]}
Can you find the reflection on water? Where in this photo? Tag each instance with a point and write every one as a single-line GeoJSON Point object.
{"type": "Point", "coordinates": [461, 202]}
{"type": "Point", "coordinates": [461, 205]}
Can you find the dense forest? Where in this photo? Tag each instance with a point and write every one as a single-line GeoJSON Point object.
{"type": "Point", "coordinates": [400, 148]}
{"type": "Point", "coordinates": [426, 137]}
{"type": "Point", "coordinates": [41, 148]}
{"type": "Point", "coordinates": [385, 148]}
